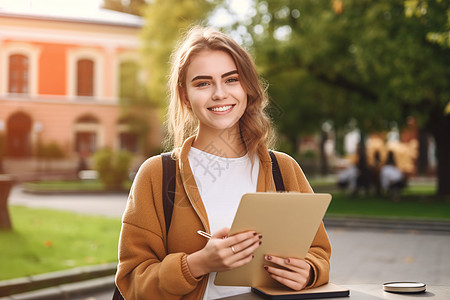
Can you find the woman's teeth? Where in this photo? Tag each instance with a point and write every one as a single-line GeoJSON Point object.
{"type": "Point", "coordinates": [221, 108]}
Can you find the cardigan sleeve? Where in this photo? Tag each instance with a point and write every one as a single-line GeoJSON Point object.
{"type": "Point", "coordinates": [319, 253]}
{"type": "Point", "coordinates": [144, 268]}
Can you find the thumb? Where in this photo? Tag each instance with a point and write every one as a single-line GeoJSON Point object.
{"type": "Point", "coordinates": [221, 233]}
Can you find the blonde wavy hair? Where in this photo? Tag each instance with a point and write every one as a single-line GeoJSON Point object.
{"type": "Point", "coordinates": [255, 125]}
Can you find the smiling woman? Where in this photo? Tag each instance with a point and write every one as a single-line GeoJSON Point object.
{"type": "Point", "coordinates": [220, 135]}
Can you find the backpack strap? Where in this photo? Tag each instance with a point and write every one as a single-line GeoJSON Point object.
{"type": "Point", "coordinates": [169, 180]}
{"type": "Point", "coordinates": [276, 173]}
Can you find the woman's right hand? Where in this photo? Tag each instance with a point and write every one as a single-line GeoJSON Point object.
{"type": "Point", "coordinates": [223, 253]}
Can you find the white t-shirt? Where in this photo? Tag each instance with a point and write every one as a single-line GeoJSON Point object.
{"type": "Point", "coordinates": [222, 182]}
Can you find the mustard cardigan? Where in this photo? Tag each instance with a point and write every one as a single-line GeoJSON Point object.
{"type": "Point", "coordinates": [153, 265]}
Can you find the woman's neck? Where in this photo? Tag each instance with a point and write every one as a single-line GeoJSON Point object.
{"type": "Point", "coordinates": [224, 143]}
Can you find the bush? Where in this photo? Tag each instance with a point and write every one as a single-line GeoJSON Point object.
{"type": "Point", "coordinates": [50, 150]}
{"type": "Point", "coordinates": [112, 167]}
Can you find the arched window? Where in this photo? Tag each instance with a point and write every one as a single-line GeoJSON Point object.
{"type": "Point", "coordinates": [86, 135]}
{"type": "Point", "coordinates": [85, 77]}
{"type": "Point", "coordinates": [18, 74]}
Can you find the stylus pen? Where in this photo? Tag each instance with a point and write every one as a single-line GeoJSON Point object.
{"type": "Point", "coordinates": [205, 234]}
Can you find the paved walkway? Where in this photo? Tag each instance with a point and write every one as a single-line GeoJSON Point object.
{"type": "Point", "coordinates": [110, 204]}
{"type": "Point", "coordinates": [359, 256]}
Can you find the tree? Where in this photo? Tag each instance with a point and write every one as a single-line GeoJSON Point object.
{"type": "Point", "coordinates": [355, 59]}
{"type": "Point", "coordinates": [135, 105]}
{"type": "Point", "coordinates": [439, 34]}
{"type": "Point", "coordinates": [134, 7]}
{"type": "Point", "coordinates": [166, 20]}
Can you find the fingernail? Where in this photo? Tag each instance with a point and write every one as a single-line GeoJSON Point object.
{"type": "Point", "coordinates": [288, 260]}
{"type": "Point", "coordinates": [253, 256]}
{"type": "Point", "coordinates": [266, 268]}
{"type": "Point", "coordinates": [254, 233]}
{"type": "Point", "coordinates": [260, 236]}
{"type": "Point", "coordinates": [260, 242]}
{"type": "Point", "coordinates": [268, 257]}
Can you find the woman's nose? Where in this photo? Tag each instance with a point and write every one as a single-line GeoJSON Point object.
{"type": "Point", "coordinates": [219, 92]}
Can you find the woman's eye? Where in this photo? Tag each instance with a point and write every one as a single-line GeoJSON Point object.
{"type": "Point", "coordinates": [233, 79]}
{"type": "Point", "coordinates": [201, 84]}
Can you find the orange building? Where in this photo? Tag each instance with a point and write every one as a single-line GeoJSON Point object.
{"type": "Point", "coordinates": [61, 78]}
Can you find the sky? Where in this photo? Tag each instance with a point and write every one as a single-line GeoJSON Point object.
{"type": "Point", "coordinates": [51, 4]}
{"type": "Point", "coordinates": [240, 6]}
{"type": "Point", "coordinates": [220, 19]}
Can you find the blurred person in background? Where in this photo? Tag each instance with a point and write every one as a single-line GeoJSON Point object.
{"type": "Point", "coordinates": [392, 179]}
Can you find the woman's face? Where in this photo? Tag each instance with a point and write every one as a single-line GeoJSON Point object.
{"type": "Point", "coordinates": [214, 92]}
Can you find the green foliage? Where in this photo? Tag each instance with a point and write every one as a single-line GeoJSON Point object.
{"type": "Point", "coordinates": [360, 60]}
{"type": "Point", "coordinates": [439, 31]}
{"type": "Point", "coordinates": [136, 119]}
{"type": "Point", "coordinates": [112, 167]}
{"type": "Point", "coordinates": [132, 91]}
{"type": "Point", "coordinates": [51, 150]}
{"type": "Point", "coordinates": [45, 240]}
{"type": "Point", "coordinates": [134, 7]}
{"type": "Point", "coordinates": [366, 61]}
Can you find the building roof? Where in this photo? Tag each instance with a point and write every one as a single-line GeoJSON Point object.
{"type": "Point", "coordinates": [91, 16]}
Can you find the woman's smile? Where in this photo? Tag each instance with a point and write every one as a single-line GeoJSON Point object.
{"type": "Point", "coordinates": [221, 109]}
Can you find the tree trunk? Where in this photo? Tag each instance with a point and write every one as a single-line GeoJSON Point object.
{"type": "Point", "coordinates": [441, 131]}
{"type": "Point", "coordinates": [323, 154]}
{"type": "Point", "coordinates": [422, 160]}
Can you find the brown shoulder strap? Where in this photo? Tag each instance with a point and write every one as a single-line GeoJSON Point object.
{"type": "Point", "coordinates": [276, 173]}
{"type": "Point", "coordinates": [169, 180]}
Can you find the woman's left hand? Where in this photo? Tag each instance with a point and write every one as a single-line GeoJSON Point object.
{"type": "Point", "coordinates": [295, 274]}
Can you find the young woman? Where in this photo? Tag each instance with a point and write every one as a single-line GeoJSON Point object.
{"type": "Point", "coordinates": [220, 137]}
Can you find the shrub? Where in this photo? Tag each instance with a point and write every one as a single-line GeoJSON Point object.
{"type": "Point", "coordinates": [112, 167]}
{"type": "Point", "coordinates": [50, 150]}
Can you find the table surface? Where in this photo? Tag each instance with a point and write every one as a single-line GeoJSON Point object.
{"type": "Point", "coordinates": [372, 292]}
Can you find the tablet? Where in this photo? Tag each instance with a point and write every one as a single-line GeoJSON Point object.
{"type": "Point", "coordinates": [288, 223]}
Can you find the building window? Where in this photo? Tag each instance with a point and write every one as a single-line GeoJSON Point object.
{"type": "Point", "coordinates": [85, 77]}
{"type": "Point", "coordinates": [18, 74]}
{"type": "Point", "coordinates": [85, 74]}
{"type": "Point", "coordinates": [85, 142]}
{"type": "Point", "coordinates": [19, 69]}
{"type": "Point", "coordinates": [18, 135]}
{"type": "Point", "coordinates": [86, 135]}
{"type": "Point", "coordinates": [128, 141]}
{"type": "Point", "coordinates": [129, 133]}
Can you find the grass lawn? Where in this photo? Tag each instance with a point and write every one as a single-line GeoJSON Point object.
{"type": "Point", "coordinates": [60, 185]}
{"type": "Point", "coordinates": [416, 201]}
{"type": "Point", "coordinates": [409, 207]}
{"type": "Point", "coordinates": [48, 240]}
